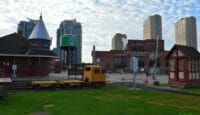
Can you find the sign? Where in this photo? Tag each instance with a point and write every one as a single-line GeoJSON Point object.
{"type": "Point", "coordinates": [98, 60]}
{"type": "Point", "coordinates": [134, 61]}
{"type": "Point", "coordinates": [14, 67]}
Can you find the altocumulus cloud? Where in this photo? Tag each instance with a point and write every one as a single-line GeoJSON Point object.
{"type": "Point", "coordinates": [100, 19]}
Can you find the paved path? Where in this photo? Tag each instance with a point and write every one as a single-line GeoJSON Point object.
{"type": "Point", "coordinates": [163, 79]}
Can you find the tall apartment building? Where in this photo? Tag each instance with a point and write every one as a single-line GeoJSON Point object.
{"type": "Point", "coordinates": [74, 28]}
{"type": "Point", "coordinates": [25, 28]}
{"type": "Point", "coordinates": [152, 27]}
{"type": "Point", "coordinates": [186, 31]}
{"type": "Point", "coordinates": [119, 41]}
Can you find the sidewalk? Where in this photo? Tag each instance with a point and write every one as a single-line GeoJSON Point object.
{"type": "Point", "coordinates": [128, 77]}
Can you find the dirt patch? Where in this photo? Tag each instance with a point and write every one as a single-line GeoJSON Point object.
{"type": "Point", "coordinates": [99, 98]}
{"type": "Point", "coordinates": [49, 105]}
{"type": "Point", "coordinates": [158, 103]}
{"type": "Point", "coordinates": [39, 113]}
{"type": "Point", "coordinates": [116, 97]}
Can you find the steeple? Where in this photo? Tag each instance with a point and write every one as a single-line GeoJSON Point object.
{"type": "Point", "coordinates": [40, 31]}
{"type": "Point", "coordinates": [41, 15]}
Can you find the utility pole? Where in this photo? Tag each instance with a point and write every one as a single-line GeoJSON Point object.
{"type": "Point", "coordinates": [94, 55]}
{"type": "Point", "coordinates": [156, 82]}
{"type": "Point", "coordinates": [156, 56]}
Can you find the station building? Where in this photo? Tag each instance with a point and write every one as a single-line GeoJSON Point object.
{"type": "Point", "coordinates": [184, 66]}
{"type": "Point", "coordinates": [20, 57]}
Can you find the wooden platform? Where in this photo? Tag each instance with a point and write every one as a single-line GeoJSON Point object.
{"type": "Point", "coordinates": [44, 83]}
{"type": "Point", "coordinates": [5, 80]}
{"type": "Point", "coordinates": [70, 82]}
{"type": "Point", "coordinates": [54, 83]}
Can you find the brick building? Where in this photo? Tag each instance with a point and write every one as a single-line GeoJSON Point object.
{"type": "Point", "coordinates": [144, 50]}
{"type": "Point", "coordinates": [184, 66]}
{"type": "Point", "coordinates": [28, 57]}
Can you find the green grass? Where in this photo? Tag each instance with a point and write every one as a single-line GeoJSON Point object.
{"type": "Point", "coordinates": [100, 101]}
{"type": "Point", "coordinates": [192, 90]}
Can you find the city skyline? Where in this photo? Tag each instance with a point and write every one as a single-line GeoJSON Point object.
{"type": "Point", "coordinates": [100, 19]}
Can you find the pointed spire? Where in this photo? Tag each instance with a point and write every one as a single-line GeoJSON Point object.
{"type": "Point", "coordinates": [39, 31]}
{"type": "Point", "coordinates": [40, 15]}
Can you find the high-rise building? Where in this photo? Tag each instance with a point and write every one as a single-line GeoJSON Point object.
{"type": "Point", "coordinates": [25, 28]}
{"type": "Point", "coordinates": [74, 28]}
{"type": "Point", "coordinates": [186, 31]}
{"type": "Point", "coordinates": [152, 27]}
{"type": "Point", "coordinates": [119, 41]}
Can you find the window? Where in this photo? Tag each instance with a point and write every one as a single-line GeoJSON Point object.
{"type": "Point", "coordinates": [171, 64]}
{"type": "Point", "coordinates": [152, 47]}
{"type": "Point", "coordinates": [197, 65]}
{"type": "Point", "coordinates": [189, 63]}
{"type": "Point", "coordinates": [193, 65]}
{"type": "Point", "coordinates": [190, 76]}
{"type": "Point", "coordinates": [181, 64]}
{"type": "Point", "coordinates": [87, 69]}
{"type": "Point", "coordinates": [197, 75]}
{"type": "Point", "coordinates": [138, 48]}
{"type": "Point", "coordinates": [97, 71]}
{"type": "Point", "coordinates": [119, 61]}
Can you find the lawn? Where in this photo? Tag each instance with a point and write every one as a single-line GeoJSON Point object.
{"type": "Point", "coordinates": [192, 90]}
{"type": "Point", "coordinates": [100, 101]}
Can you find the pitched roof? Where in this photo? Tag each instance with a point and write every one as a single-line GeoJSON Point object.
{"type": "Point", "coordinates": [39, 31]}
{"type": "Point", "coordinates": [40, 52]}
{"type": "Point", "coordinates": [13, 44]}
{"type": "Point", "coordinates": [189, 51]}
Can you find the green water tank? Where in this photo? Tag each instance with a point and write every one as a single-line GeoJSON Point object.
{"type": "Point", "coordinates": [68, 40]}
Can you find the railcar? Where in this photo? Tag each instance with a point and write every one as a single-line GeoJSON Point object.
{"type": "Point", "coordinates": [92, 75]}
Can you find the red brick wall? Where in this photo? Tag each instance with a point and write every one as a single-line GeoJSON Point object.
{"type": "Point", "coordinates": [26, 67]}
{"type": "Point", "coordinates": [107, 56]}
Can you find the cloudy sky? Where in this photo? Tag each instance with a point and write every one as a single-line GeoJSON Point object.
{"type": "Point", "coordinates": [100, 19]}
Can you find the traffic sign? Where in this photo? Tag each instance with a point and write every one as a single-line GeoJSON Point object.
{"type": "Point", "coordinates": [134, 61]}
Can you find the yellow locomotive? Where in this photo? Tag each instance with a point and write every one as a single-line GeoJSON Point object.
{"type": "Point", "coordinates": [94, 74]}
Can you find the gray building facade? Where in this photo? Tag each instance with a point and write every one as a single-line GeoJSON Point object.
{"type": "Point", "coordinates": [119, 41]}
{"type": "Point", "coordinates": [186, 32]}
{"type": "Point", "coordinates": [74, 28]}
{"type": "Point", "coordinates": [25, 28]}
{"type": "Point", "coordinates": [152, 27]}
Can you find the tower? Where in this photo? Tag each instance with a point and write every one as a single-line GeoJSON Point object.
{"type": "Point", "coordinates": [186, 32]}
{"type": "Point", "coordinates": [74, 28]}
{"type": "Point", "coordinates": [152, 27]}
{"type": "Point", "coordinates": [39, 38]}
{"type": "Point", "coordinates": [119, 41]}
{"type": "Point", "coordinates": [24, 28]}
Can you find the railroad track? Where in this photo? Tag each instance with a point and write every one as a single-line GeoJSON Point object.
{"type": "Point", "coordinates": [129, 84]}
